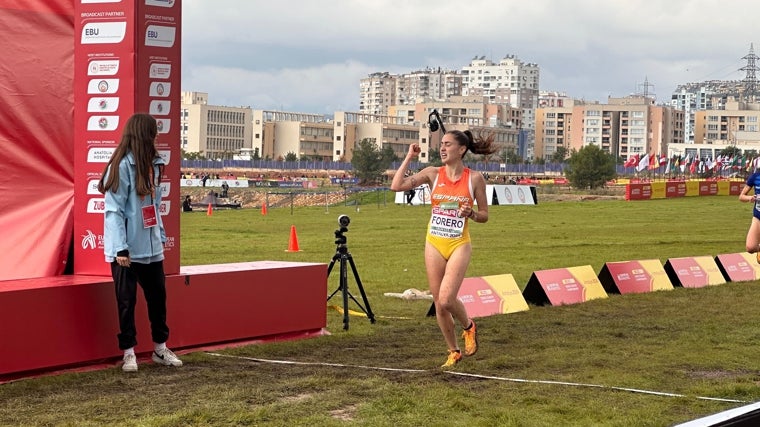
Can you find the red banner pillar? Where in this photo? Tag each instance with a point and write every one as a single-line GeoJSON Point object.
{"type": "Point", "coordinates": [126, 60]}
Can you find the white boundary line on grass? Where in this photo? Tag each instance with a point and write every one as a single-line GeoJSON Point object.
{"type": "Point", "coordinates": [488, 377]}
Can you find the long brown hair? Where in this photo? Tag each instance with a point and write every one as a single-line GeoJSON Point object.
{"type": "Point", "coordinates": [138, 138]}
{"type": "Point", "coordinates": [478, 145]}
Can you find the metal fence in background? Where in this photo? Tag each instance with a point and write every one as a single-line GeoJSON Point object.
{"type": "Point", "coordinates": [550, 169]}
{"type": "Point", "coordinates": [523, 169]}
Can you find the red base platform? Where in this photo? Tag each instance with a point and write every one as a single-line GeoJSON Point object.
{"type": "Point", "coordinates": [57, 322]}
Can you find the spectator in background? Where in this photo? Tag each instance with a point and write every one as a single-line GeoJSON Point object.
{"type": "Point", "coordinates": [187, 204]}
{"type": "Point", "coordinates": [225, 188]}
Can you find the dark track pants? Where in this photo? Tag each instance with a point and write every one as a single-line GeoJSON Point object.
{"type": "Point", "coordinates": [153, 282]}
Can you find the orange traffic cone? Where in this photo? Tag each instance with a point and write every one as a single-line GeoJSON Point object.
{"type": "Point", "coordinates": [293, 244]}
{"type": "Point", "coordinates": [264, 209]}
{"type": "Point", "coordinates": [210, 210]}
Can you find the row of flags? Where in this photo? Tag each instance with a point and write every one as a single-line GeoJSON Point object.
{"type": "Point", "coordinates": [681, 164]}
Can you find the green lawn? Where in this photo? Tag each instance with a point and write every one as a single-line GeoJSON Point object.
{"type": "Point", "coordinates": [691, 342]}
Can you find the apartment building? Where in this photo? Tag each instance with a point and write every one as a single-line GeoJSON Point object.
{"type": "Point", "coordinates": [623, 127]}
{"type": "Point", "coordinates": [736, 125]}
{"type": "Point", "coordinates": [508, 81]}
{"type": "Point", "coordinates": [377, 92]}
{"type": "Point", "coordinates": [215, 131]}
{"type": "Point", "coordinates": [463, 112]}
{"type": "Point", "coordinates": [381, 90]}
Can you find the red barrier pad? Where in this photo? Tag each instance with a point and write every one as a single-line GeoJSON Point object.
{"type": "Point", "coordinates": [57, 322]}
{"type": "Point", "coordinates": [740, 267]}
{"type": "Point", "coordinates": [708, 188]}
{"type": "Point", "coordinates": [630, 277]}
{"type": "Point", "coordinates": [694, 272]}
{"type": "Point", "coordinates": [563, 286]}
{"type": "Point", "coordinates": [637, 191]}
{"type": "Point", "coordinates": [489, 295]}
{"type": "Point", "coordinates": [675, 189]}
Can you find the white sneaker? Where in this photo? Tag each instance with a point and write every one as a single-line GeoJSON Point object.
{"type": "Point", "coordinates": [130, 363]}
{"type": "Point", "coordinates": [167, 357]}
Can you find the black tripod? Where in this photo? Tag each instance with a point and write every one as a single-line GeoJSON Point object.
{"type": "Point", "coordinates": [342, 254]}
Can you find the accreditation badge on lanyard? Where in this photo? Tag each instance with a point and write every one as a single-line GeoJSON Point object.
{"type": "Point", "coordinates": [149, 212]}
{"type": "Point", "coordinates": [149, 216]}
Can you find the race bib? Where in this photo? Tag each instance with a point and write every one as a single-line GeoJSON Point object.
{"type": "Point", "coordinates": [446, 222]}
{"type": "Point", "coordinates": [149, 216]}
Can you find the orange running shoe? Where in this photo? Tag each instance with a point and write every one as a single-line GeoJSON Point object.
{"type": "Point", "coordinates": [470, 339]}
{"type": "Point", "coordinates": [454, 357]}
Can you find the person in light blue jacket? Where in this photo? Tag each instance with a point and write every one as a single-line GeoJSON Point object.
{"type": "Point", "coordinates": [134, 236]}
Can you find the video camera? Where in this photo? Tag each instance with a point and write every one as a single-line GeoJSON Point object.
{"type": "Point", "coordinates": [343, 222]}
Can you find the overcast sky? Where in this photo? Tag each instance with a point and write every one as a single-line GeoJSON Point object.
{"type": "Point", "coordinates": [309, 55]}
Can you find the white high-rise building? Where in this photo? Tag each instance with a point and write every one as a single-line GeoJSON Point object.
{"type": "Point", "coordinates": [509, 81]}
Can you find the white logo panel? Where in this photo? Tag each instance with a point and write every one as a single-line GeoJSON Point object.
{"type": "Point", "coordinates": [103, 32]}
{"type": "Point", "coordinates": [164, 125]}
{"type": "Point", "coordinates": [96, 205]}
{"type": "Point", "coordinates": [159, 3]}
{"type": "Point", "coordinates": [160, 36]}
{"type": "Point", "coordinates": [159, 108]}
{"type": "Point", "coordinates": [103, 105]}
{"type": "Point", "coordinates": [160, 71]}
{"type": "Point", "coordinates": [160, 89]}
{"type": "Point", "coordinates": [99, 155]}
{"type": "Point", "coordinates": [103, 67]}
{"type": "Point", "coordinates": [109, 123]}
{"type": "Point", "coordinates": [165, 155]}
{"type": "Point", "coordinates": [103, 86]}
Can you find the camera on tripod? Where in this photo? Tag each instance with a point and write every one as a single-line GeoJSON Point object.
{"type": "Point", "coordinates": [343, 222]}
{"type": "Point", "coordinates": [346, 260]}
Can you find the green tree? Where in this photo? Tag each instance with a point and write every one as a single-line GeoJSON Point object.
{"type": "Point", "coordinates": [511, 157]}
{"type": "Point", "coordinates": [731, 151]}
{"type": "Point", "coordinates": [389, 155]}
{"type": "Point", "coordinates": [191, 155]}
{"type": "Point", "coordinates": [369, 161]}
{"type": "Point", "coordinates": [590, 167]}
{"type": "Point", "coordinates": [291, 157]}
{"type": "Point", "coordinates": [559, 155]}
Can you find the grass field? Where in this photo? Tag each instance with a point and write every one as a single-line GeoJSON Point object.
{"type": "Point", "coordinates": [692, 342]}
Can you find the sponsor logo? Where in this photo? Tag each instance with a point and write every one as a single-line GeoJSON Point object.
{"type": "Point", "coordinates": [166, 188]}
{"type": "Point", "coordinates": [159, 108]}
{"type": "Point", "coordinates": [92, 186]}
{"type": "Point", "coordinates": [160, 36]}
{"type": "Point", "coordinates": [508, 194]}
{"type": "Point", "coordinates": [169, 242]}
{"type": "Point", "coordinates": [97, 205]}
{"type": "Point", "coordinates": [103, 86]}
{"type": "Point", "coordinates": [164, 125]}
{"type": "Point", "coordinates": [166, 155]}
{"type": "Point", "coordinates": [103, 105]}
{"type": "Point", "coordinates": [103, 32]}
{"type": "Point", "coordinates": [165, 207]}
{"type": "Point", "coordinates": [160, 71]}
{"type": "Point", "coordinates": [160, 89]}
{"type": "Point", "coordinates": [159, 3]}
{"type": "Point", "coordinates": [91, 240]}
{"type": "Point", "coordinates": [109, 123]}
{"type": "Point", "coordinates": [99, 155]}
{"type": "Point", "coordinates": [521, 194]}
{"type": "Point", "coordinates": [103, 67]}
